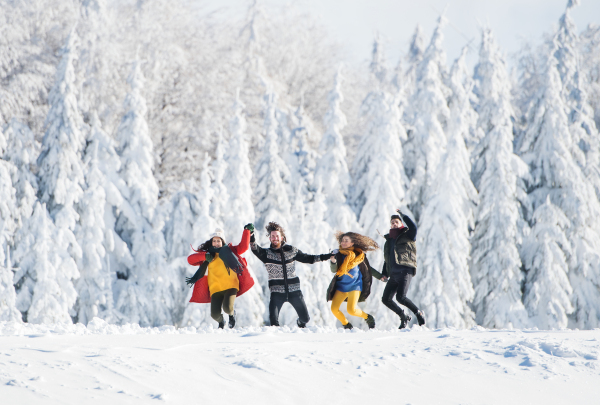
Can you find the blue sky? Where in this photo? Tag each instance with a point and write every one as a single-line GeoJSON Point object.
{"type": "Point", "coordinates": [353, 23]}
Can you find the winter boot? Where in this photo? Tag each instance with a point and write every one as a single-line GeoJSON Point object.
{"type": "Point", "coordinates": [300, 323]}
{"type": "Point", "coordinates": [232, 320]}
{"type": "Point", "coordinates": [348, 326]}
{"type": "Point", "coordinates": [403, 320]}
{"type": "Point", "coordinates": [421, 318]}
{"type": "Point", "coordinates": [222, 324]}
{"type": "Point", "coordinates": [370, 321]}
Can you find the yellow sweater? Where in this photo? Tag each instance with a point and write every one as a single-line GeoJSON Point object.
{"type": "Point", "coordinates": [218, 279]}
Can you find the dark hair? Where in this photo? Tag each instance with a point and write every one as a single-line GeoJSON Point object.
{"type": "Point", "coordinates": [396, 216]}
{"type": "Point", "coordinates": [362, 242]}
{"type": "Point", "coordinates": [208, 244]}
{"type": "Point", "coordinates": [274, 226]}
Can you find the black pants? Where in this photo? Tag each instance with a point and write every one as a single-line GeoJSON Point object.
{"type": "Point", "coordinates": [222, 299]}
{"type": "Point", "coordinates": [297, 301]}
{"type": "Point", "coordinates": [398, 284]}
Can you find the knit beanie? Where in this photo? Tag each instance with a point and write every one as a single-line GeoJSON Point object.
{"type": "Point", "coordinates": [218, 232]}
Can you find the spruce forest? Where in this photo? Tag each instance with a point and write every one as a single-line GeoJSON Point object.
{"type": "Point", "coordinates": [132, 130]}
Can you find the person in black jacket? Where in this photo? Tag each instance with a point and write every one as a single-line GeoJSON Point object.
{"type": "Point", "coordinates": [284, 284]}
{"type": "Point", "coordinates": [400, 265]}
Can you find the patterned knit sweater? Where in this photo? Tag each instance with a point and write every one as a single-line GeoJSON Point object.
{"type": "Point", "coordinates": [281, 266]}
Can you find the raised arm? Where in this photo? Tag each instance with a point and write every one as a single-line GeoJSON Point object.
{"type": "Point", "coordinates": [242, 247]}
{"type": "Point", "coordinates": [412, 228]}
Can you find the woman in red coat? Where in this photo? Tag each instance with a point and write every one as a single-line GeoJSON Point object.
{"type": "Point", "coordinates": [227, 277]}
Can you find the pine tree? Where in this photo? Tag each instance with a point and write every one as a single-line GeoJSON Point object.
{"type": "Point", "coordinates": [495, 263]}
{"type": "Point", "coordinates": [545, 254]}
{"type": "Point", "coordinates": [444, 288]}
{"type": "Point", "coordinates": [585, 145]}
{"type": "Point", "coordinates": [147, 296]}
{"type": "Point", "coordinates": [332, 173]}
{"type": "Point", "coordinates": [380, 182]}
{"type": "Point", "coordinates": [104, 253]}
{"type": "Point", "coordinates": [221, 196]}
{"type": "Point", "coordinates": [546, 147]}
{"type": "Point", "coordinates": [22, 151]}
{"type": "Point", "coordinates": [238, 178]}
{"type": "Point", "coordinates": [8, 224]}
{"type": "Point", "coordinates": [46, 270]}
{"type": "Point", "coordinates": [60, 166]}
{"type": "Point", "coordinates": [428, 115]}
{"type": "Point", "coordinates": [271, 195]}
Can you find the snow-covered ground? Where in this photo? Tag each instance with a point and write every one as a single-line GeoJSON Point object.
{"type": "Point", "coordinates": [109, 364]}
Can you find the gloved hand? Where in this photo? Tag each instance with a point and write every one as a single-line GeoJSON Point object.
{"type": "Point", "coordinates": [400, 213]}
{"type": "Point", "coordinates": [250, 227]}
{"type": "Point", "coordinates": [252, 238]}
{"type": "Point", "coordinates": [192, 280]}
{"type": "Point", "coordinates": [325, 256]}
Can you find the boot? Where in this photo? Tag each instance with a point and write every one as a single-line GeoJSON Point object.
{"type": "Point", "coordinates": [221, 324]}
{"type": "Point", "coordinates": [403, 320]}
{"type": "Point", "coordinates": [348, 326]}
{"type": "Point", "coordinates": [232, 320]}
{"type": "Point", "coordinates": [300, 323]}
{"type": "Point", "coordinates": [420, 318]}
{"type": "Point", "coordinates": [370, 321]}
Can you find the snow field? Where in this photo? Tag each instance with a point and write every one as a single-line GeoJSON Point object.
{"type": "Point", "coordinates": [72, 364]}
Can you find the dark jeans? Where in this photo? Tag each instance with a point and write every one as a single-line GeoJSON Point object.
{"type": "Point", "coordinates": [222, 299]}
{"type": "Point", "coordinates": [398, 285]}
{"type": "Point", "coordinates": [297, 301]}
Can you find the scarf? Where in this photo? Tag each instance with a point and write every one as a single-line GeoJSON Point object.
{"type": "Point", "coordinates": [395, 232]}
{"type": "Point", "coordinates": [229, 258]}
{"type": "Point", "coordinates": [350, 261]}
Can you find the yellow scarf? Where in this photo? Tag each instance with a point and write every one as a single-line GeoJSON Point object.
{"type": "Point", "coordinates": [350, 261]}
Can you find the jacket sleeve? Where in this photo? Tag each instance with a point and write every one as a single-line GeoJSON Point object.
{"type": "Point", "coordinates": [333, 267]}
{"type": "Point", "coordinates": [311, 259]}
{"type": "Point", "coordinates": [258, 252]}
{"type": "Point", "coordinates": [375, 273]}
{"type": "Point", "coordinates": [412, 228]}
{"type": "Point", "coordinates": [242, 247]}
{"type": "Point", "coordinates": [384, 271]}
{"type": "Point", "coordinates": [196, 259]}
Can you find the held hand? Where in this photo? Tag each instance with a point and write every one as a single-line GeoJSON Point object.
{"type": "Point", "coordinates": [384, 279]}
{"type": "Point", "coordinates": [333, 259]}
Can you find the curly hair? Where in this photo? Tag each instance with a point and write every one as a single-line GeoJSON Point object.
{"type": "Point", "coordinates": [274, 226]}
{"type": "Point", "coordinates": [206, 245]}
{"type": "Point", "coordinates": [362, 242]}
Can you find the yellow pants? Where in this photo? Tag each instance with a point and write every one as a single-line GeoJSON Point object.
{"type": "Point", "coordinates": [352, 307]}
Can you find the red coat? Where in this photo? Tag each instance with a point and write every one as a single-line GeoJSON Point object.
{"type": "Point", "coordinates": [201, 294]}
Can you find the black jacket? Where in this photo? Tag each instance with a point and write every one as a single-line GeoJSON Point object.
{"type": "Point", "coordinates": [401, 251]}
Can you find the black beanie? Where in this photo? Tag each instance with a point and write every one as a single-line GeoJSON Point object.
{"type": "Point", "coordinates": [396, 216]}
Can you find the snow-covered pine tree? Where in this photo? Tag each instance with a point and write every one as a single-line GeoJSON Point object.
{"type": "Point", "coordinates": [495, 262]}
{"type": "Point", "coordinates": [443, 287]}
{"type": "Point", "coordinates": [271, 195]}
{"type": "Point", "coordinates": [238, 178]}
{"type": "Point", "coordinates": [302, 158]}
{"type": "Point", "coordinates": [589, 50]}
{"type": "Point", "coordinates": [585, 145]}
{"type": "Point", "coordinates": [413, 59]}
{"type": "Point", "coordinates": [428, 115]}
{"type": "Point", "coordinates": [22, 151]}
{"type": "Point", "coordinates": [218, 207]}
{"type": "Point", "coordinates": [46, 270]}
{"type": "Point", "coordinates": [331, 172]}
{"type": "Point", "coordinates": [147, 295]}
{"type": "Point", "coordinates": [60, 168]}
{"type": "Point", "coordinates": [546, 147]}
{"type": "Point", "coordinates": [8, 224]}
{"type": "Point", "coordinates": [546, 252]}
{"type": "Point", "coordinates": [379, 179]}
{"type": "Point", "coordinates": [104, 253]}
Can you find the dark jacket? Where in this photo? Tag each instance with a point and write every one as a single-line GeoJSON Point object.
{"type": "Point", "coordinates": [281, 267]}
{"type": "Point", "coordinates": [403, 250]}
{"type": "Point", "coordinates": [366, 270]}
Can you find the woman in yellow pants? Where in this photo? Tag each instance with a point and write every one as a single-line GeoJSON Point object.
{"type": "Point", "coordinates": [353, 276]}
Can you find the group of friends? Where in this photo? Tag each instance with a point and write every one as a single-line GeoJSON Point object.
{"type": "Point", "coordinates": [223, 273]}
